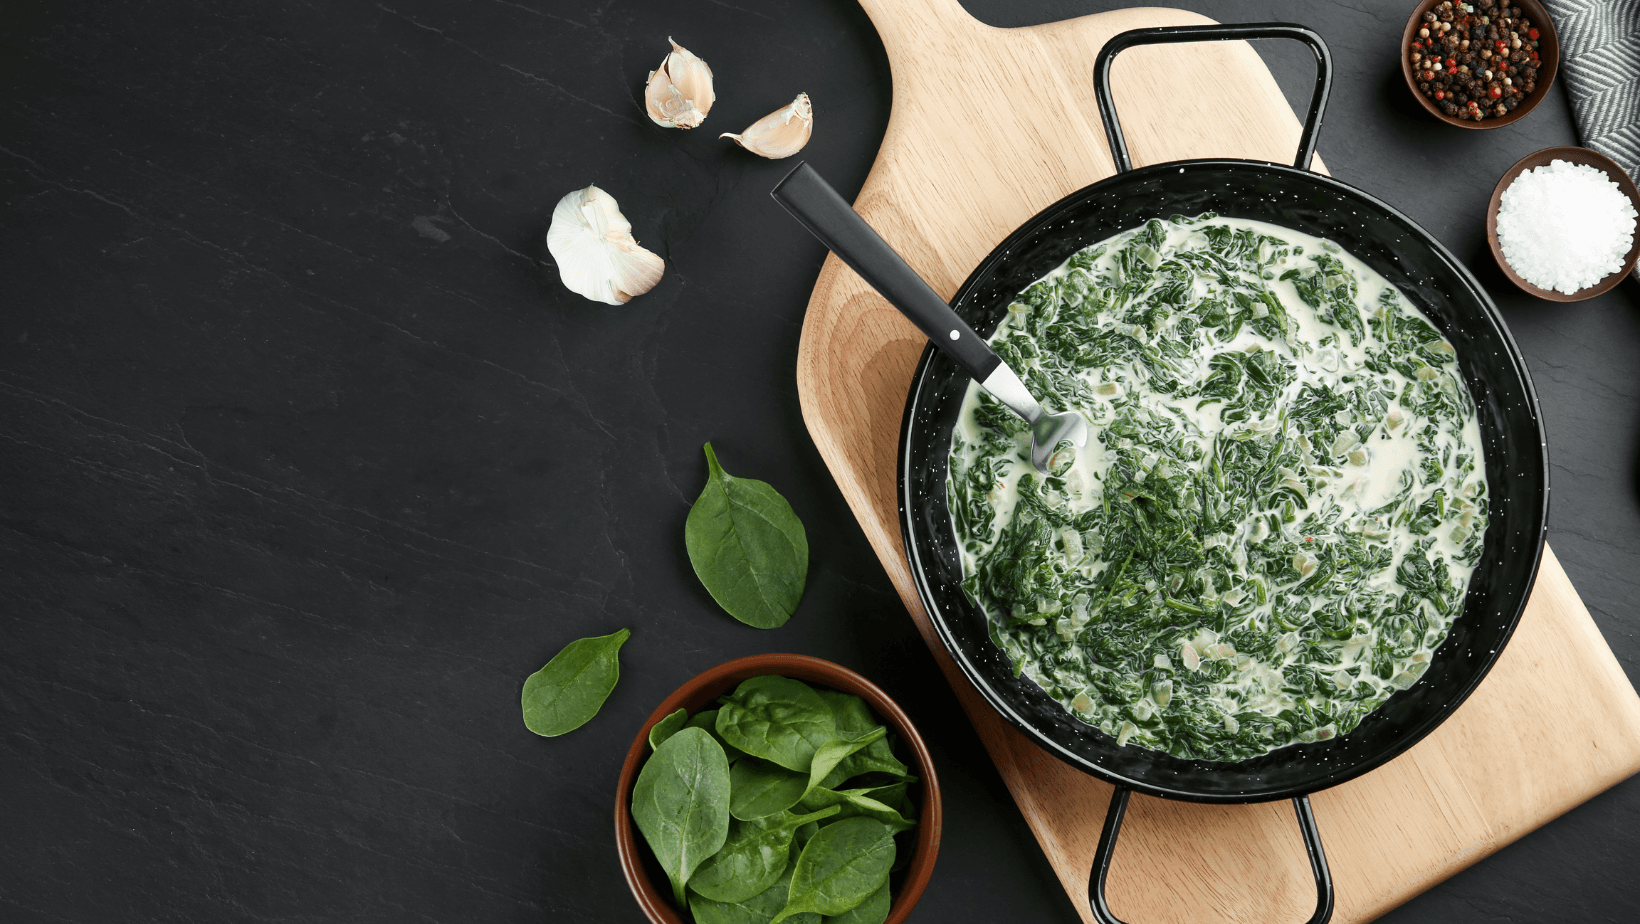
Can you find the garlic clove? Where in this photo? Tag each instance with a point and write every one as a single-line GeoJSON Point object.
{"type": "Point", "coordinates": [597, 257]}
{"type": "Point", "coordinates": [679, 93]}
{"type": "Point", "coordinates": [781, 133]}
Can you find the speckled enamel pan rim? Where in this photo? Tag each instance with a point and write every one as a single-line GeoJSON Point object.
{"type": "Point", "coordinates": [1508, 359]}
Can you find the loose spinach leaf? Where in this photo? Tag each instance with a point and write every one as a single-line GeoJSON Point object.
{"type": "Point", "coordinates": [681, 804]}
{"type": "Point", "coordinates": [747, 547]}
{"type": "Point", "coordinates": [835, 751]}
{"type": "Point", "coordinates": [873, 910]}
{"type": "Point", "coordinates": [859, 802]}
{"type": "Point", "coordinates": [753, 857]}
{"type": "Point", "coordinates": [707, 719]}
{"type": "Point", "coordinates": [778, 719]}
{"type": "Point", "coordinates": [572, 687]}
{"type": "Point", "coordinates": [758, 909]}
{"type": "Point", "coordinates": [840, 867]}
{"type": "Point", "coordinates": [759, 788]}
{"type": "Point", "coordinates": [667, 727]}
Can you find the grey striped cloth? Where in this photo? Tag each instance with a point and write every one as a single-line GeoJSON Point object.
{"type": "Point", "coordinates": [1600, 65]}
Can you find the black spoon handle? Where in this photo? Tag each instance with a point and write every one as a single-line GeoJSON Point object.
{"type": "Point", "coordinates": [812, 201]}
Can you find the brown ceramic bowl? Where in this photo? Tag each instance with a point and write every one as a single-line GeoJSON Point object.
{"type": "Point", "coordinates": [702, 690]}
{"type": "Point", "coordinates": [1542, 158]}
{"type": "Point", "coordinates": [1548, 54]}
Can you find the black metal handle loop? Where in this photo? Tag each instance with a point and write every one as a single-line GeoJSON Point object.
{"type": "Point", "coordinates": [1168, 35]}
{"type": "Point", "coordinates": [1113, 826]}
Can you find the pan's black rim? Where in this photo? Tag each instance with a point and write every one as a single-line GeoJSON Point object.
{"type": "Point", "coordinates": [1000, 702]}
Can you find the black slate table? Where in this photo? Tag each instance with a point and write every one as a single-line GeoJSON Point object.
{"type": "Point", "coordinates": [308, 458]}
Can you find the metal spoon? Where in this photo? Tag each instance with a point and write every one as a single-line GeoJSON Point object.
{"type": "Point", "coordinates": [814, 203]}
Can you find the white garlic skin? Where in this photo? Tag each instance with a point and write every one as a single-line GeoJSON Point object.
{"type": "Point", "coordinates": [597, 256]}
{"type": "Point", "coordinates": [679, 93]}
{"type": "Point", "coordinates": [781, 133]}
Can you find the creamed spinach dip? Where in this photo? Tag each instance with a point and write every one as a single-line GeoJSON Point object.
{"type": "Point", "coordinates": [1281, 501]}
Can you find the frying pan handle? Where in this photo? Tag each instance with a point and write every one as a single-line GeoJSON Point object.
{"type": "Point", "coordinates": [829, 217]}
{"type": "Point", "coordinates": [1167, 35]}
{"type": "Point", "coordinates": [1113, 825]}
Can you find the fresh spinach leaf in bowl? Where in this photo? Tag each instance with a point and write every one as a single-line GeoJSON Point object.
{"type": "Point", "coordinates": [741, 806]}
{"type": "Point", "coordinates": [681, 804]}
{"type": "Point", "coordinates": [667, 727]}
{"type": "Point", "coordinates": [841, 866]}
{"type": "Point", "coordinates": [753, 857]}
{"type": "Point", "coordinates": [778, 719]}
{"type": "Point", "coordinates": [759, 788]}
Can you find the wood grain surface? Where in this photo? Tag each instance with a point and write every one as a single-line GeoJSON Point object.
{"type": "Point", "coordinates": [989, 126]}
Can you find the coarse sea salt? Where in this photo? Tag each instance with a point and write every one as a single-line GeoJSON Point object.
{"type": "Point", "coordinates": [1565, 226]}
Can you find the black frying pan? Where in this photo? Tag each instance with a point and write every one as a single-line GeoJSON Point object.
{"type": "Point", "coordinates": [1425, 272]}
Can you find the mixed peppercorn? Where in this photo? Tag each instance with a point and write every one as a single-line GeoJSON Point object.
{"type": "Point", "coordinates": [1475, 60]}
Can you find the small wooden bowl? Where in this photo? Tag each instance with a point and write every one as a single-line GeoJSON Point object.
{"type": "Point", "coordinates": [1542, 158]}
{"type": "Point", "coordinates": [706, 687]}
{"type": "Point", "coordinates": [1548, 58]}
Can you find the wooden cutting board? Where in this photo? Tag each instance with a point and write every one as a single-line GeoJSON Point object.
{"type": "Point", "coordinates": [989, 126]}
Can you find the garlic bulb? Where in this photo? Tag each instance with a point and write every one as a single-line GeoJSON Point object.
{"type": "Point", "coordinates": [679, 94]}
{"type": "Point", "coordinates": [781, 133]}
{"type": "Point", "coordinates": [597, 257]}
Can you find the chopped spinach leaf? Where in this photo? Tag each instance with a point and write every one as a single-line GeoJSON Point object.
{"type": "Point", "coordinates": [1273, 525]}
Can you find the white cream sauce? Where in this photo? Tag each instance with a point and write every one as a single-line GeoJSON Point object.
{"type": "Point", "coordinates": [1360, 477]}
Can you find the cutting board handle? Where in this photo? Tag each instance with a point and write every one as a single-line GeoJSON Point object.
{"type": "Point", "coordinates": [907, 25]}
{"type": "Point", "coordinates": [1113, 826]}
